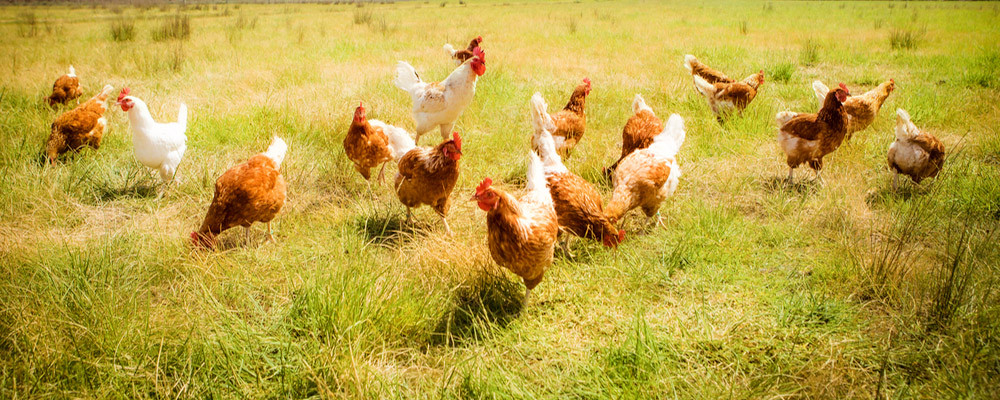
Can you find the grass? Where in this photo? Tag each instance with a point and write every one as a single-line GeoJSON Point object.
{"type": "Point", "coordinates": [122, 30]}
{"type": "Point", "coordinates": [756, 290]}
{"type": "Point", "coordinates": [905, 39]}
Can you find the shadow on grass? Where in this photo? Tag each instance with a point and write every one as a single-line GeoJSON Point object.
{"type": "Point", "coordinates": [776, 184]}
{"type": "Point", "coordinates": [887, 194]}
{"type": "Point", "coordinates": [388, 229]}
{"type": "Point", "coordinates": [487, 299]}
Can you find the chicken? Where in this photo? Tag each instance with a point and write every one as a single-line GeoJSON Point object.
{"type": "Point", "coordinates": [461, 55]}
{"type": "Point", "coordinates": [806, 138]}
{"type": "Point", "coordinates": [861, 109]}
{"type": "Point", "coordinates": [253, 191]}
{"type": "Point", "coordinates": [916, 154]}
{"type": "Point", "coordinates": [723, 94]}
{"type": "Point", "coordinates": [81, 126]}
{"type": "Point", "coordinates": [639, 131]}
{"type": "Point", "coordinates": [426, 175]}
{"type": "Point", "coordinates": [577, 203]}
{"type": "Point", "coordinates": [159, 146]}
{"type": "Point", "coordinates": [571, 121]}
{"type": "Point", "coordinates": [439, 104]}
{"type": "Point", "coordinates": [367, 145]}
{"type": "Point", "coordinates": [648, 176]}
{"type": "Point", "coordinates": [65, 89]}
{"type": "Point", "coordinates": [521, 233]}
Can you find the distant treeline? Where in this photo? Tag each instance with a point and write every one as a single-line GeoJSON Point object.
{"type": "Point", "coordinates": [182, 2]}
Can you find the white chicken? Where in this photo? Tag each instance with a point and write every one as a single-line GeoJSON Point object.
{"type": "Point", "coordinates": [439, 104]}
{"type": "Point", "coordinates": [159, 146]}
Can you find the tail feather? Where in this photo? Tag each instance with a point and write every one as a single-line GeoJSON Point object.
{"type": "Point", "coordinates": [905, 129]}
{"type": "Point", "coordinates": [72, 71]}
{"type": "Point", "coordinates": [783, 117]}
{"type": "Point", "coordinates": [182, 116]}
{"type": "Point", "coordinates": [689, 62]}
{"type": "Point", "coordinates": [449, 49]}
{"type": "Point", "coordinates": [406, 77]}
{"type": "Point", "coordinates": [276, 151]}
{"type": "Point", "coordinates": [820, 90]}
{"type": "Point", "coordinates": [639, 104]}
{"type": "Point", "coordinates": [536, 184]}
{"type": "Point", "coordinates": [668, 142]}
{"type": "Point", "coordinates": [400, 141]}
{"type": "Point", "coordinates": [705, 88]}
{"type": "Point", "coordinates": [540, 117]}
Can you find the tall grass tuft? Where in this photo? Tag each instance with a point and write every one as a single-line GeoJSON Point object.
{"type": "Point", "coordinates": [953, 284]}
{"type": "Point", "coordinates": [122, 30]}
{"type": "Point", "coordinates": [744, 27]}
{"type": "Point", "coordinates": [177, 26]}
{"type": "Point", "coordinates": [782, 72]}
{"type": "Point", "coordinates": [362, 15]}
{"type": "Point", "coordinates": [27, 24]}
{"type": "Point", "coordinates": [905, 39]}
{"type": "Point", "coordinates": [886, 259]}
{"type": "Point", "coordinates": [572, 25]}
{"type": "Point", "coordinates": [809, 54]}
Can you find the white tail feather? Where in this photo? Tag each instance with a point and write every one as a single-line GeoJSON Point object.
{"type": "Point", "coordinates": [689, 61]}
{"type": "Point", "coordinates": [450, 50]}
{"type": "Point", "coordinates": [540, 117]}
{"type": "Point", "coordinates": [536, 184]}
{"type": "Point", "coordinates": [668, 142]}
{"type": "Point", "coordinates": [905, 129]}
{"type": "Point", "coordinates": [182, 117]}
{"type": "Point", "coordinates": [276, 151]}
{"type": "Point", "coordinates": [705, 88]}
{"type": "Point", "coordinates": [406, 77]}
{"type": "Point", "coordinates": [547, 151]}
{"type": "Point", "coordinates": [783, 117]}
{"type": "Point", "coordinates": [400, 141]}
{"type": "Point", "coordinates": [72, 71]}
{"type": "Point", "coordinates": [820, 90]}
{"type": "Point", "coordinates": [639, 104]}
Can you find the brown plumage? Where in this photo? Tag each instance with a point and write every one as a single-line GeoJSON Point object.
{"type": "Point", "coordinates": [571, 121]}
{"type": "Point", "coordinates": [65, 89]}
{"type": "Point", "coordinates": [724, 95]}
{"type": "Point", "coordinates": [253, 191]}
{"type": "Point", "coordinates": [862, 109]}
{"type": "Point", "coordinates": [807, 138]}
{"type": "Point", "coordinates": [521, 233]}
{"type": "Point", "coordinates": [367, 146]}
{"type": "Point", "coordinates": [465, 54]}
{"type": "Point", "coordinates": [710, 75]}
{"type": "Point", "coordinates": [648, 176]}
{"type": "Point", "coordinates": [639, 131]}
{"type": "Point", "coordinates": [579, 209]}
{"type": "Point", "coordinates": [916, 154]}
{"type": "Point", "coordinates": [428, 176]}
{"type": "Point", "coordinates": [81, 126]}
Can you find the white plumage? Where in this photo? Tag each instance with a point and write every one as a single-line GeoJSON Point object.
{"type": "Point", "coordinates": [159, 146]}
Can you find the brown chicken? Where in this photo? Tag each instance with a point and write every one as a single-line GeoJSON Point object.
{"type": "Point", "coordinates": [461, 55]}
{"type": "Point", "coordinates": [81, 126]}
{"type": "Point", "coordinates": [724, 94]}
{"type": "Point", "coordinates": [65, 89]}
{"type": "Point", "coordinates": [253, 191]}
{"type": "Point", "coordinates": [521, 233]}
{"type": "Point", "coordinates": [639, 131]}
{"type": "Point", "coordinates": [571, 121]}
{"type": "Point", "coordinates": [806, 138]}
{"type": "Point", "coordinates": [648, 176]}
{"type": "Point", "coordinates": [367, 145]}
{"type": "Point", "coordinates": [916, 154]}
{"type": "Point", "coordinates": [426, 175]}
{"type": "Point", "coordinates": [861, 109]}
{"type": "Point", "coordinates": [577, 203]}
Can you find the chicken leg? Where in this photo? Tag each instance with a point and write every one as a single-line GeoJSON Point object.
{"type": "Point", "coordinates": [246, 235]}
{"type": "Point", "coordinates": [446, 227]}
{"type": "Point", "coordinates": [381, 174]}
{"type": "Point", "coordinates": [895, 182]}
{"type": "Point", "coordinates": [270, 233]}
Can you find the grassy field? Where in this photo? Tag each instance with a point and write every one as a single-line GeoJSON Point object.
{"type": "Point", "coordinates": [756, 290]}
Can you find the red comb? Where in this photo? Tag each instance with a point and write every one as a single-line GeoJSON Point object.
{"type": "Point", "coordinates": [587, 81]}
{"type": "Point", "coordinates": [125, 91]}
{"type": "Point", "coordinates": [458, 140]}
{"type": "Point", "coordinates": [479, 53]}
{"type": "Point", "coordinates": [361, 104]}
{"type": "Point", "coordinates": [484, 185]}
{"type": "Point", "coordinates": [892, 80]}
{"type": "Point", "coordinates": [479, 39]}
{"type": "Point", "coordinates": [843, 86]}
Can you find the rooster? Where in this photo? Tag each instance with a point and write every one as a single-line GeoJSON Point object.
{"type": "Point", "coordinates": [806, 138]}
{"type": "Point", "coordinates": [571, 121]}
{"type": "Point", "coordinates": [65, 89]}
{"type": "Point", "coordinates": [253, 191]}
{"type": "Point", "coordinates": [367, 145]}
{"type": "Point", "coordinates": [861, 109]}
{"type": "Point", "coordinates": [79, 127]}
{"type": "Point", "coordinates": [439, 104]}
{"type": "Point", "coordinates": [916, 154]}
{"type": "Point", "coordinates": [723, 93]}
{"type": "Point", "coordinates": [426, 175]}
{"type": "Point", "coordinates": [639, 131]}
{"type": "Point", "coordinates": [461, 55]}
{"type": "Point", "coordinates": [648, 176]}
{"type": "Point", "coordinates": [577, 203]}
{"type": "Point", "coordinates": [159, 146]}
{"type": "Point", "coordinates": [521, 233]}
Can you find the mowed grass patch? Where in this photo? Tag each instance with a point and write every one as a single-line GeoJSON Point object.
{"type": "Point", "coordinates": [755, 288]}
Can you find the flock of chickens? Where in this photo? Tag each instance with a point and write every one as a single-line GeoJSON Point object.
{"type": "Point", "coordinates": [522, 232]}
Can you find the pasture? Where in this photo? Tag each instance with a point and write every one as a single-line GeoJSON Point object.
{"type": "Point", "coordinates": [756, 289]}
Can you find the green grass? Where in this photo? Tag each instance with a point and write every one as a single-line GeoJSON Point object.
{"type": "Point", "coordinates": [756, 290]}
